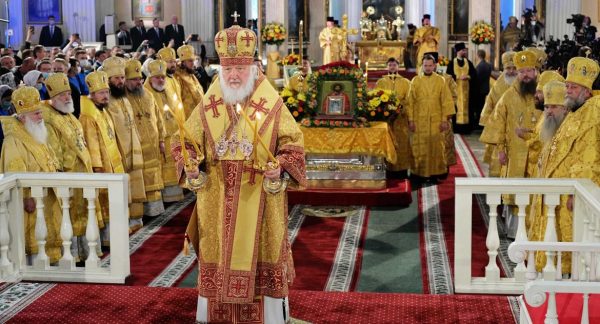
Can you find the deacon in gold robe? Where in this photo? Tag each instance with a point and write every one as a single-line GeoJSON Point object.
{"type": "Point", "coordinates": [429, 117]}
{"type": "Point", "coordinates": [398, 85]}
{"type": "Point", "coordinates": [244, 255]}
{"type": "Point", "coordinates": [101, 140]}
{"type": "Point", "coordinates": [149, 123]}
{"type": "Point", "coordinates": [299, 81]}
{"type": "Point", "coordinates": [168, 102]}
{"type": "Point", "coordinates": [463, 72]}
{"type": "Point", "coordinates": [427, 38]}
{"type": "Point", "coordinates": [65, 137]}
{"type": "Point", "coordinates": [128, 137]}
{"type": "Point", "coordinates": [187, 79]}
{"type": "Point", "coordinates": [572, 152]}
{"type": "Point", "coordinates": [503, 83]}
{"type": "Point", "coordinates": [330, 40]}
{"type": "Point", "coordinates": [25, 149]}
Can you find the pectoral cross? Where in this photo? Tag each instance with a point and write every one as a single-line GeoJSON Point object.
{"type": "Point", "coordinates": [139, 115]}
{"type": "Point", "coordinates": [235, 16]}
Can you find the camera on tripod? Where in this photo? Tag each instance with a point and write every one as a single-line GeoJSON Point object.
{"type": "Point", "coordinates": [576, 20]}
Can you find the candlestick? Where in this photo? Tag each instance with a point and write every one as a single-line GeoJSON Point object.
{"type": "Point", "coordinates": [367, 71]}
{"type": "Point", "coordinates": [301, 41]}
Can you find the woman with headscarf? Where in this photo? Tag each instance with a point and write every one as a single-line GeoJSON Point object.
{"type": "Point", "coordinates": [35, 78]}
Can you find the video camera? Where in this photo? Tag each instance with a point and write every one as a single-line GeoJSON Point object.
{"type": "Point", "coordinates": [576, 20]}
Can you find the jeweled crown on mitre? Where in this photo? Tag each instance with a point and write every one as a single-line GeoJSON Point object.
{"type": "Point", "coordinates": [133, 69]}
{"type": "Point", "coordinates": [157, 68]}
{"type": "Point", "coordinates": [97, 81]}
{"type": "Point", "coordinates": [166, 54]}
{"type": "Point", "coordinates": [507, 59]}
{"type": "Point", "coordinates": [235, 46]}
{"type": "Point", "coordinates": [26, 99]}
{"type": "Point", "coordinates": [114, 66]}
{"type": "Point", "coordinates": [554, 93]}
{"type": "Point", "coordinates": [56, 84]}
{"type": "Point", "coordinates": [583, 71]}
{"type": "Point", "coordinates": [546, 77]}
{"type": "Point", "coordinates": [186, 52]}
{"type": "Point", "coordinates": [525, 59]}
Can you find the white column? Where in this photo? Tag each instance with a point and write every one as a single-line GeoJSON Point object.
{"type": "Point", "coordinates": [441, 18]}
{"type": "Point", "coordinates": [354, 10]}
{"type": "Point", "coordinates": [78, 18]}
{"type": "Point", "coordinates": [414, 12]}
{"type": "Point", "coordinates": [479, 10]}
{"type": "Point", "coordinates": [17, 23]}
{"type": "Point", "coordinates": [103, 8]}
{"type": "Point", "coordinates": [197, 17]}
{"type": "Point", "coordinates": [557, 13]}
{"type": "Point", "coordinates": [318, 15]}
{"type": "Point", "coordinates": [518, 8]}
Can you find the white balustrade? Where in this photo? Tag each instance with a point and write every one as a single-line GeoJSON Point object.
{"type": "Point", "coordinates": [586, 228]}
{"type": "Point", "coordinates": [13, 262]}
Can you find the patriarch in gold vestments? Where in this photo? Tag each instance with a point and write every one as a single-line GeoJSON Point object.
{"type": "Point", "coordinates": [427, 38]}
{"type": "Point", "coordinates": [241, 230]}
{"type": "Point", "coordinates": [430, 109]}
{"type": "Point", "coordinates": [503, 83]}
{"type": "Point", "coordinates": [128, 137]}
{"type": "Point", "coordinates": [100, 137]}
{"type": "Point", "coordinates": [168, 101]}
{"type": "Point", "coordinates": [399, 86]}
{"type": "Point", "coordinates": [25, 149]}
{"type": "Point", "coordinates": [149, 123]}
{"type": "Point", "coordinates": [330, 40]}
{"type": "Point", "coordinates": [190, 86]}
{"type": "Point", "coordinates": [572, 152]}
{"type": "Point", "coordinates": [65, 136]}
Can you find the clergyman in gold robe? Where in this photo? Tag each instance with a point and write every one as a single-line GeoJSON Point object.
{"type": "Point", "coordinates": [330, 40]}
{"type": "Point", "coordinates": [149, 123]}
{"type": "Point", "coordinates": [398, 85]}
{"type": "Point", "coordinates": [465, 75]}
{"type": "Point", "coordinates": [429, 116]}
{"type": "Point", "coordinates": [190, 86]}
{"type": "Point", "coordinates": [240, 229]}
{"type": "Point", "coordinates": [427, 38]}
{"type": "Point", "coordinates": [573, 151]}
{"type": "Point", "coordinates": [25, 149]}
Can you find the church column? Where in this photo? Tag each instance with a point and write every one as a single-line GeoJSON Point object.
{"type": "Point", "coordinates": [318, 15]}
{"type": "Point", "coordinates": [197, 18]}
{"type": "Point", "coordinates": [557, 13]}
{"type": "Point", "coordinates": [77, 18]}
{"type": "Point", "coordinates": [354, 10]}
{"type": "Point", "coordinates": [441, 18]}
{"type": "Point", "coordinates": [17, 23]}
{"type": "Point", "coordinates": [414, 12]}
{"type": "Point", "coordinates": [479, 10]}
{"type": "Point", "coordinates": [103, 8]}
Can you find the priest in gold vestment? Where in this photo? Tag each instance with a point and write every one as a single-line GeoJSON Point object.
{"type": "Point", "coordinates": [398, 85]}
{"type": "Point", "coordinates": [573, 152]}
{"type": "Point", "coordinates": [100, 137]}
{"type": "Point", "coordinates": [427, 38]}
{"type": "Point", "coordinates": [149, 123]}
{"type": "Point", "coordinates": [168, 101]}
{"type": "Point", "coordinates": [463, 72]}
{"type": "Point", "coordinates": [503, 83]}
{"type": "Point", "coordinates": [245, 259]}
{"type": "Point", "coordinates": [128, 138]}
{"type": "Point", "coordinates": [330, 40]}
{"type": "Point", "coordinates": [429, 117]}
{"type": "Point", "coordinates": [190, 86]}
{"type": "Point", "coordinates": [167, 54]}
{"type": "Point", "coordinates": [25, 149]}
{"type": "Point", "coordinates": [65, 137]}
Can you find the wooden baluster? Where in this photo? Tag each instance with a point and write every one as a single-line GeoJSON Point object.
{"type": "Point", "coordinates": [6, 266]}
{"type": "Point", "coordinates": [522, 200]}
{"type": "Point", "coordinates": [551, 200]}
{"type": "Point", "coordinates": [585, 313]}
{"type": "Point", "coordinates": [551, 314]}
{"type": "Point", "coordinates": [492, 241]}
{"type": "Point", "coordinates": [41, 262]}
{"type": "Point", "coordinates": [66, 230]}
{"type": "Point", "coordinates": [91, 231]}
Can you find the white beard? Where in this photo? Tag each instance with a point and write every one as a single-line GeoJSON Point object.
{"type": "Point", "coordinates": [37, 130]}
{"type": "Point", "coordinates": [157, 87]}
{"type": "Point", "coordinates": [62, 107]}
{"type": "Point", "coordinates": [549, 127]}
{"type": "Point", "coordinates": [233, 96]}
{"type": "Point", "coordinates": [509, 79]}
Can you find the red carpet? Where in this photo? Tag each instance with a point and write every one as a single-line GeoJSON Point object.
{"type": "Point", "coordinates": [117, 304]}
{"type": "Point", "coordinates": [569, 307]}
{"type": "Point", "coordinates": [397, 193]}
{"type": "Point", "coordinates": [314, 251]}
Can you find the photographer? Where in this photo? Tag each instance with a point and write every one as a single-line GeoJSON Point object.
{"type": "Point", "coordinates": [585, 32]}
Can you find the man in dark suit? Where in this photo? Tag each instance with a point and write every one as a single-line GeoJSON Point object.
{"type": "Point", "coordinates": [175, 32]}
{"type": "Point", "coordinates": [51, 35]}
{"type": "Point", "coordinates": [155, 35]}
{"type": "Point", "coordinates": [123, 36]}
{"type": "Point", "coordinates": [138, 34]}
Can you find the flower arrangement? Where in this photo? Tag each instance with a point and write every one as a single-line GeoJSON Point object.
{"type": "Point", "coordinates": [273, 33]}
{"type": "Point", "coordinates": [295, 102]}
{"type": "Point", "coordinates": [482, 33]}
{"type": "Point", "coordinates": [383, 104]}
{"type": "Point", "coordinates": [443, 61]}
{"type": "Point", "coordinates": [291, 59]}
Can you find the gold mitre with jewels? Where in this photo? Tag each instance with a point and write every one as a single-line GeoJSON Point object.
{"type": "Point", "coordinates": [582, 71]}
{"type": "Point", "coordinates": [546, 77]}
{"type": "Point", "coordinates": [507, 59]}
{"type": "Point", "coordinates": [157, 68]}
{"type": "Point", "coordinates": [133, 69]}
{"type": "Point", "coordinates": [166, 54]}
{"type": "Point", "coordinates": [114, 66]}
{"type": "Point", "coordinates": [26, 99]}
{"type": "Point", "coordinates": [97, 81]}
{"type": "Point", "coordinates": [540, 54]}
{"type": "Point", "coordinates": [186, 52]}
{"type": "Point", "coordinates": [554, 93]}
{"type": "Point", "coordinates": [525, 59]}
{"type": "Point", "coordinates": [235, 46]}
{"type": "Point", "coordinates": [56, 84]}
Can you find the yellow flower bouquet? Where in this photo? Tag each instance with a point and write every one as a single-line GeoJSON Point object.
{"type": "Point", "coordinates": [382, 105]}
{"type": "Point", "coordinates": [295, 102]}
{"type": "Point", "coordinates": [443, 61]}
{"type": "Point", "coordinates": [482, 33]}
{"type": "Point", "coordinates": [291, 59]}
{"type": "Point", "coordinates": [273, 33]}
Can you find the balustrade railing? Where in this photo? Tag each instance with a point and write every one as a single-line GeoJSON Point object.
{"type": "Point", "coordinates": [14, 264]}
